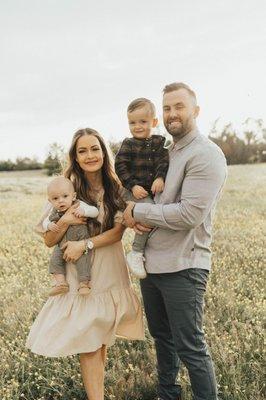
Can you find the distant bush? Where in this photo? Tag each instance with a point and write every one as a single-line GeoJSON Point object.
{"type": "Point", "coordinates": [27, 163]}
{"type": "Point", "coordinates": [21, 164]}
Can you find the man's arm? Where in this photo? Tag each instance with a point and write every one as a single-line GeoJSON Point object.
{"type": "Point", "coordinates": [203, 181]}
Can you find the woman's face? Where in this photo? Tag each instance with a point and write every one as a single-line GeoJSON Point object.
{"type": "Point", "coordinates": [89, 154]}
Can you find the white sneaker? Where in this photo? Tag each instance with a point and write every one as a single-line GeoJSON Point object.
{"type": "Point", "coordinates": [135, 262]}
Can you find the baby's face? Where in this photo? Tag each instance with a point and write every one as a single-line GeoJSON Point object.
{"type": "Point", "coordinates": [61, 197]}
{"type": "Point", "coordinates": [141, 122]}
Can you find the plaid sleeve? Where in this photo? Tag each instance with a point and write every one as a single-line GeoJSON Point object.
{"type": "Point", "coordinates": [123, 165]}
{"type": "Point", "coordinates": [161, 160]}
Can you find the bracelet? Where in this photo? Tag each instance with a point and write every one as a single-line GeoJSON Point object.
{"type": "Point", "coordinates": [86, 250]}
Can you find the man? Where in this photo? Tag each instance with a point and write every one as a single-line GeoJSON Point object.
{"type": "Point", "coordinates": [177, 254]}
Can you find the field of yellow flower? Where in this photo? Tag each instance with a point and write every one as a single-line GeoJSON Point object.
{"type": "Point", "coordinates": [233, 313]}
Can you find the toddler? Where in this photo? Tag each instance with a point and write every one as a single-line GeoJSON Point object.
{"type": "Point", "coordinates": [141, 164]}
{"type": "Point", "coordinates": [61, 195]}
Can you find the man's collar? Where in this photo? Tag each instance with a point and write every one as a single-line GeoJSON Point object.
{"type": "Point", "coordinates": [184, 141]}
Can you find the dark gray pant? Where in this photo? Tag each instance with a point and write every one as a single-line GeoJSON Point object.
{"type": "Point", "coordinates": [174, 309]}
{"type": "Point", "coordinates": [139, 242]}
{"type": "Point", "coordinates": [58, 264]}
{"type": "Point", "coordinates": [83, 264]}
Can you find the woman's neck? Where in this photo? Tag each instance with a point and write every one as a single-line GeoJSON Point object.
{"type": "Point", "coordinates": [95, 180]}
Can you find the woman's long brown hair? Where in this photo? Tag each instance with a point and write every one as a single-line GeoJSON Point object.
{"type": "Point", "coordinates": [112, 187]}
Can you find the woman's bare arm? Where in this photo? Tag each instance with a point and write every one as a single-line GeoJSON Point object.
{"type": "Point", "coordinates": [108, 237]}
{"type": "Point", "coordinates": [52, 238]}
{"type": "Point", "coordinates": [75, 249]}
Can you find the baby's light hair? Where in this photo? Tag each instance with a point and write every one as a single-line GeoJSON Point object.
{"type": "Point", "coordinates": [59, 180]}
{"type": "Point", "coordinates": [139, 103]}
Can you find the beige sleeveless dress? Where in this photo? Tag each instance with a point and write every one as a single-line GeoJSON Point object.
{"type": "Point", "coordinates": [71, 324]}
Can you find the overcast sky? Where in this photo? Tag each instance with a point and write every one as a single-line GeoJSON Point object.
{"type": "Point", "coordinates": [67, 64]}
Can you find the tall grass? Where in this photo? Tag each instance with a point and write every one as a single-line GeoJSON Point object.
{"type": "Point", "coordinates": [233, 313]}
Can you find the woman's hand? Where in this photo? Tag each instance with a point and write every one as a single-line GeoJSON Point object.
{"type": "Point", "coordinates": [73, 250]}
{"type": "Point", "coordinates": [70, 218]}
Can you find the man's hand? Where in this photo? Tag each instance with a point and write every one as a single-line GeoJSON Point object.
{"type": "Point", "coordinates": [157, 186]}
{"type": "Point", "coordinates": [139, 192]}
{"type": "Point", "coordinates": [140, 228]}
{"type": "Point", "coordinates": [53, 227]}
{"type": "Point", "coordinates": [128, 220]}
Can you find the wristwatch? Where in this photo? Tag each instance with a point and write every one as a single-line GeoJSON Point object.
{"type": "Point", "coordinates": [89, 246]}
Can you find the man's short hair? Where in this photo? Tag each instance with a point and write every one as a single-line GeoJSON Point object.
{"type": "Point", "coordinates": [139, 103]}
{"type": "Point", "coordinates": [179, 85]}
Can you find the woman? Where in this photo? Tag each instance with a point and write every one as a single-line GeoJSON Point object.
{"type": "Point", "coordinates": [72, 324]}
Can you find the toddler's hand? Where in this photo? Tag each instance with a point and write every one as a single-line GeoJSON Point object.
{"type": "Point", "coordinates": [139, 192]}
{"type": "Point", "coordinates": [53, 227]}
{"type": "Point", "coordinates": [79, 213]}
{"type": "Point", "coordinates": [157, 186]}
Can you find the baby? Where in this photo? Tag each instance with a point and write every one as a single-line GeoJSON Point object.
{"type": "Point", "coordinates": [141, 164]}
{"type": "Point", "coordinates": [61, 195]}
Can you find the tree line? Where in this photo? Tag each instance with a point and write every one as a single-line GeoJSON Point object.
{"type": "Point", "coordinates": [244, 147]}
{"type": "Point", "coordinates": [239, 147]}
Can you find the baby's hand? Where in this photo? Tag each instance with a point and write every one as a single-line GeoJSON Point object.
{"type": "Point", "coordinates": [53, 227]}
{"type": "Point", "coordinates": [157, 186]}
{"type": "Point", "coordinates": [79, 212]}
{"type": "Point", "coordinates": [139, 192]}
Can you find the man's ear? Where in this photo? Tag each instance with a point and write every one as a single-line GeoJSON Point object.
{"type": "Point", "coordinates": [196, 111]}
{"type": "Point", "coordinates": [154, 122]}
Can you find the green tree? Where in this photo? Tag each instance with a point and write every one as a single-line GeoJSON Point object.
{"type": "Point", "coordinates": [247, 146]}
{"type": "Point", "coordinates": [6, 165]}
{"type": "Point", "coordinates": [114, 146]}
{"type": "Point", "coordinates": [54, 162]}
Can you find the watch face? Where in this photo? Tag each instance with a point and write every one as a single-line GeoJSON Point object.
{"type": "Point", "coordinates": [90, 244]}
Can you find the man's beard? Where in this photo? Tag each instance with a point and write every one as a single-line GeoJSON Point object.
{"type": "Point", "coordinates": [180, 130]}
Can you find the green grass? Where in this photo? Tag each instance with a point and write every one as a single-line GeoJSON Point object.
{"type": "Point", "coordinates": [234, 300]}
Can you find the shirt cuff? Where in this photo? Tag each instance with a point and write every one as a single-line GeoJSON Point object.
{"type": "Point", "coordinates": [140, 211]}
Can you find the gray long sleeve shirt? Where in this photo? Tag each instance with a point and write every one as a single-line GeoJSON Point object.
{"type": "Point", "coordinates": [183, 213]}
